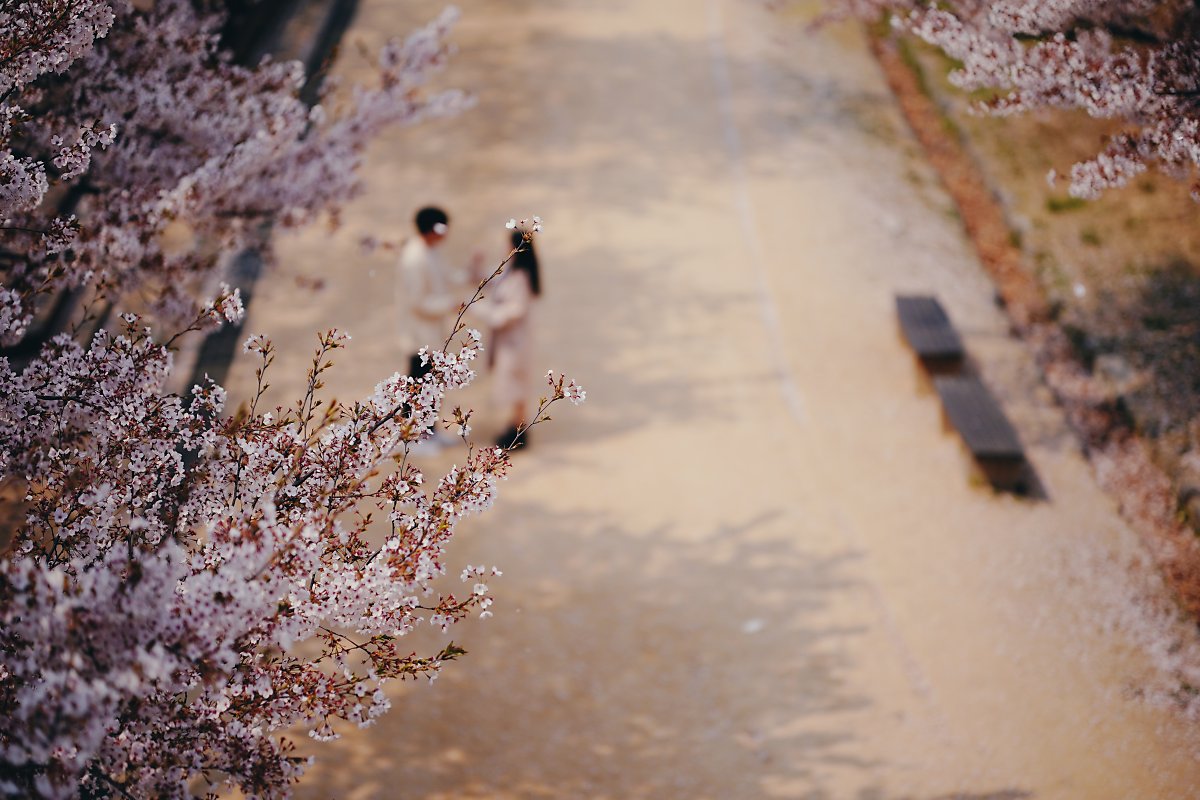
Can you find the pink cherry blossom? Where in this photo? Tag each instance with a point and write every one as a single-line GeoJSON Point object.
{"type": "Point", "coordinates": [172, 554]}
{"type": "Point", "coordinates": [1135, 61]}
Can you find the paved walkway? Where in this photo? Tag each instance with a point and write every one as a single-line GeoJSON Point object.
{"type": "Point", "coordinates": [753, 564]}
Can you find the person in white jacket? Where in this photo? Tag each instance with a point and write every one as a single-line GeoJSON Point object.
{"type": "Point", "coordinates": [510, 311]}
{"type": "Point", "coordinates": [428, 295]}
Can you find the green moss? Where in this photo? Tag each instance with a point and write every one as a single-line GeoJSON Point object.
{"type": "Point", "coordinates": [904, 47]}
{"type": "Point", "coordinates": [1057, 205]}
{"type": "Point", "coordinates": [881, 27]}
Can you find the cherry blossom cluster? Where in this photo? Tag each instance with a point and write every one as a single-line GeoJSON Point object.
{"type": "Point", "coordinates": [116, 124]}
{"type": "Point", "coordinates": [1135, 61]}
{"type": "Point", "coordinates": [172, 558]}
{"type": "Point", "coordinates": [187, 582]}
{"type": "Point", "coordinates": [46, 36]}
{"type": "Point", "coordinates": [528, 227]}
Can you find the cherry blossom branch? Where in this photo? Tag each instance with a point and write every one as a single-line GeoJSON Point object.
{"type": "Point", "coordinates": [1112, 60]}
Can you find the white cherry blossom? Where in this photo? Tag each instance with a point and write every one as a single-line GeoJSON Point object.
{"type": "Point", "coordinates": [173, 554]}
{"type": "Point", "coordinates": [1131, 60]}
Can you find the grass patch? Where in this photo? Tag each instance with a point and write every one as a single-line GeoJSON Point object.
{"type": "Point", "coordinates": [1057, 205]}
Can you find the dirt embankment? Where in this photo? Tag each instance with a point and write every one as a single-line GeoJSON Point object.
{"type": "Point", "coordinates": [1124, 393]}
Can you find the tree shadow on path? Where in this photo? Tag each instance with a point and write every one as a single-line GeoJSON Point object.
{"type": "Point", "coordinates": [634, 662]}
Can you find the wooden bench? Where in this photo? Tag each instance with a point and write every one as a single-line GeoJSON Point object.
{"type": "Point", "coordinates": [970, 407]}
{"type": "Point", "coordinates": [929, 332]}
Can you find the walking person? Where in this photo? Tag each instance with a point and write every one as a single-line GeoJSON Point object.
{"type": "Point", "coordinates": [510, 311]}
{"type": "Point", "coordinates": [428, 294]}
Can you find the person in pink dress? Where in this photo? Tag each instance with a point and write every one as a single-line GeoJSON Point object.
{"type": "Point", "coordinates": [510, 312]}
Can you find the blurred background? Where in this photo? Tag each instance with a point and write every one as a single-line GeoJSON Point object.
{"type": "Point", "coordinates": [757, 562]}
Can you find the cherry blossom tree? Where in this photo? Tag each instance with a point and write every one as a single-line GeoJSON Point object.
{"type": "Point", "coordinates": [186, 583]}
{"type": "Point", "coordinates": [1136, 61]}
{"type": "Point", "coordinates": [142, 121]}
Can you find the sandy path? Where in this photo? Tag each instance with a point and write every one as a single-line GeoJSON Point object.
{"type": "Point", "coordinates": [753, 564]}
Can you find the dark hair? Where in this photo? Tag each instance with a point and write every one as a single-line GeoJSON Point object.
{"type": "Point", "coordinates": [428, 217]}
{"type": "Point", "coordinates": [526, 260]}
